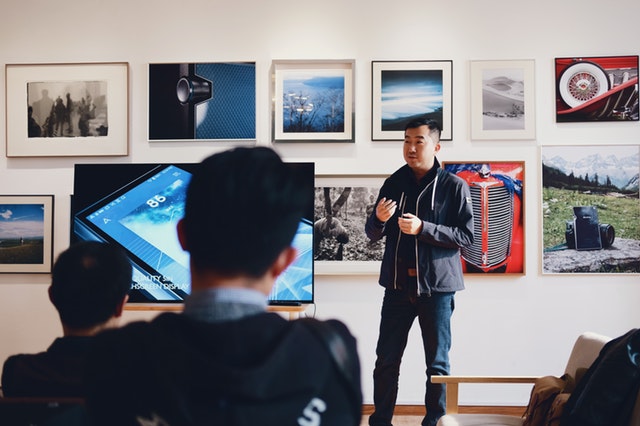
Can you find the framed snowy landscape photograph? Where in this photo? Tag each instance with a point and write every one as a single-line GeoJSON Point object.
{"type": "Point", "coordinates": [503, 100]}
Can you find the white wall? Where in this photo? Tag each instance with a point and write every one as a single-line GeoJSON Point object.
{"type": "Point", "coordinates": [502, 324]}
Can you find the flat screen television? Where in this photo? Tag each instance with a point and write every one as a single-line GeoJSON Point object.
{"type": "Point", "coordinates": [137, 207]}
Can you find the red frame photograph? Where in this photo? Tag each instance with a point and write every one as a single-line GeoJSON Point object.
{"type": "Point", "coordinates": [597, 89]}
{"type": "Point", "coordinates": [497, 192]}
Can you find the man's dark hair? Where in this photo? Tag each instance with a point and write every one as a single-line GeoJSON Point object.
{"type": "Point", "coordinates": [89, 281]}
{"type": "Point", "coordinates": [433, 125]}
{"type": "Point", "coordinates": [243, 208]}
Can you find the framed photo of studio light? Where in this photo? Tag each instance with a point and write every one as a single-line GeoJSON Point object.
{"type": "Point", "coordinates": [26, 234]}
{"type": "Point", "coordinates": [55, 110]}
{"type": "Point", "coordinates": [342, 205]}
{"type": "Point", "coordinates": [210, 101]}
{"type": "Point", "coordinates": [402, 91]}
{"type": "Point", "coordinates": [590, 209]}
{"type": "Point", "coordinates": [497, 193]}
{"type": "Point", "coordinates": [503, 100]}
{"type": "Point", "coordinates": [313, 101]}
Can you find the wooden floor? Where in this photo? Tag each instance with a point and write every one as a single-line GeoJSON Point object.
{"type": "Point", "coordinates": [406, 415]}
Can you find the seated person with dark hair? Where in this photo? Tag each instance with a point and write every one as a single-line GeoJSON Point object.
{"type": "Point", "coordinates": [225, 360]}
{"type": "Point", "coordinates": [89, 287]}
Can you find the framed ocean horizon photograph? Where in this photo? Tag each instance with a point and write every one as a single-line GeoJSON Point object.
{"type": "Point", "coordinates": [26, 234]}
{"type": "Point", "coordinates": [402, 91]}
{"type": "Point", "coordinates": [502, 100]}
{"type": "Point", "coordinates": [313, 101]}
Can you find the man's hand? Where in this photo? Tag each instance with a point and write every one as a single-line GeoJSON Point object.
{"type": "Point", "coordinates": [385, 209]}
{"type": "Point", "coordinates": [410, 224]}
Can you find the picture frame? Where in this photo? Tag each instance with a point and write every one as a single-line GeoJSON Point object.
{"type": "Point", "coordinates": [502, 98]}
{"type": "Point", "coordinates": [313, 101]}
{"type": "Point", "coordinates": [26, 234]}
{"type": "Point", "coordinates": [405, 90]}
{"type": "Point", "coordinates": [498, 198]}
{"type": "Point", "coordinates": [204, 101]}
{"type": "Point", "coordinates": [67, 109]}
{"type": "Point", "coordinates": [596, 88]}
{"type": "Point", "coordinates": [590, 209]}
{"type": "Point", "coordinates": [340, 245]}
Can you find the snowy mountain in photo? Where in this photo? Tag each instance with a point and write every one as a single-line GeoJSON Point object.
{"type": "Point", "coordinates": [623, 171]}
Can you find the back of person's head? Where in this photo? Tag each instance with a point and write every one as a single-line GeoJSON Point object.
{"type": "Point", "coordinates": [89, 281]}
{"type": "Point", "coordinates": [242, 210]}
{"type": "Point", "coordinates": [433, 125]}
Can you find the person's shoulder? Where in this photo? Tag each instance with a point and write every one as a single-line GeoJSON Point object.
{"type": "Point", "coordinates": [400, 172]}
{"type": "Point", "coordinates": [16, 360]}
{"type": "Point", "coordinates": [451, 177]}
{"type": "Point", "coordinates": [136, 330]}
{"type": "Point", "coordinates": [399, 176]}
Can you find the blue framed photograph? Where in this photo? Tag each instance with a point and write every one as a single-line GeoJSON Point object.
{"type": "Point", "coordinates": [407, 90]}
{"type": "Point", "coordinates": [313, 101]}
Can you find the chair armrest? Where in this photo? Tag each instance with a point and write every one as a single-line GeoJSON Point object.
{"type": "Point", "coordinates": [452, 383]}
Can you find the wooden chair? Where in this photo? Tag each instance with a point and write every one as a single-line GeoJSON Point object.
{"type": "Point", "coordinates": [585, 351]}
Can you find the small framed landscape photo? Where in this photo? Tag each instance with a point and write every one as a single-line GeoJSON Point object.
{"type": "Point", "coordinates": [403, 91]}
{"type": "Point", "coordinates": [26, 233]}
{"type": "Point", "coordinates": [502, 100]}
{"type": "Point", "coordinates": [313, 101]}
{"type": "Point", "coordinates": [56, 110]}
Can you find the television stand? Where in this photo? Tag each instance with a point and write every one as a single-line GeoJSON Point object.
{"type": "Point", "coordinates": [284, 303]}
{"type": "Point", "coordinates": [293, 310]}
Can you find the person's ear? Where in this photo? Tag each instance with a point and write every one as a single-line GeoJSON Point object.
{"type": "Point", "coordinates": [50, 291]}
{"type": "Point", "coordinates": [120, 306]}
{"type": "Point", "coordinates": [181, 234]}
{"type": "Point", "coordinates": [282, 262]}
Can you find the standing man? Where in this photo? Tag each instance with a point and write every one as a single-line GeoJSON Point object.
{"type": "Point", "coordinates": [425, 213]}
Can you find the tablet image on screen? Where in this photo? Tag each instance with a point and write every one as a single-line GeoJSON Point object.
{"type": "Point", "coordinates": [140, 215]}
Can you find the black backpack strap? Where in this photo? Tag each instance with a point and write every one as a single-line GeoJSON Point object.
{"type": "Point", "coordinates": [339, 352]}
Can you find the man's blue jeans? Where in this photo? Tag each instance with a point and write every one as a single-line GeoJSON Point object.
{"type": "Point", "coordinates": [399, 310]}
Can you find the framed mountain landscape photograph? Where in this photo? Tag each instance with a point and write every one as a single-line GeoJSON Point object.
{"type": "Point", "coordinates": [502, 100]}
{"type": "Point", "coordinates": [590, 209]}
